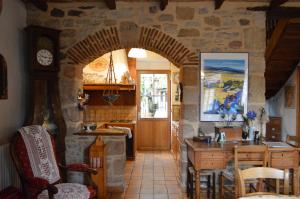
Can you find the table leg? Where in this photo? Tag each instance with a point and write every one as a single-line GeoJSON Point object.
{"type": "Point", "coordinates": [296, 181]}
{"type": "Point", "coordinates": [197, 184]}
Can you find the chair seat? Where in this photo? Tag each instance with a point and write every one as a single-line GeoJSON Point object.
{"type": "Point", "coordinates": [68, 191]}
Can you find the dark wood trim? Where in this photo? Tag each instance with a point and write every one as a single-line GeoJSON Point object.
{"type": "Point", "coordinates": [298, 102]}
{"type": "Point", "coordinates": [111, 4]}
{"type": "Point", "coordinates": [40, 4]}
{"type": "Point", "coordinates": [3, 78]}
{"type": "Point", "coordinates": [276, 36]}
{"type": "Point", "coordinates": [277, 3]}
{"type": "Point", "coordinates": [163, 4]}
{"type": "Point", "coordinates": [1, 5]}
{"type": "Point", "coordinates": [218, 4]}
{"type": "Point", "coordinates": [278, 12]}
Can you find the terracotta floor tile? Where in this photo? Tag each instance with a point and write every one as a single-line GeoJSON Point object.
{"type": "Point", "coordinates": [161, 196]}
{"type": "Point", "coordinates": [146, 191]}
{"type": "Point", "coordinates": [133, 190]}
{"type": "Point", "coordinates": [171, 182]}
{"type": "Point", "coordinates": [132, 196]}
{"type": "Point", "coordinates": [160, 189]}
{"type": "Point", "coordinates": [159, 182]}
{"type": "Point", "coordinates": [146, 196]}
{"type": "Point", "coordinates": [151, 175]}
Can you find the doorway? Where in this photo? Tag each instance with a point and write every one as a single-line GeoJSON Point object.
{"type": "Point", "coordinates": [153, 105]}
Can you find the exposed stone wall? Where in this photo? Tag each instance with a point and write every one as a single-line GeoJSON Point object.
{"type": "Point", "coordinates": [179, 33]}
{"type": "Point", "coordinates": [77, 152]}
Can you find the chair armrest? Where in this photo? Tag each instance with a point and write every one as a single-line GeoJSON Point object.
{"type": "Point", "coordinates": [79, 168]}
{"type": "Point", "coordinates": [37, 182]}
{"type": "Point", "coordinates": [42, 184]}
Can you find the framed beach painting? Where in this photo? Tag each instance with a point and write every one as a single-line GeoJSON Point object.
{"type": "Point", "coordinates": [224, 85]}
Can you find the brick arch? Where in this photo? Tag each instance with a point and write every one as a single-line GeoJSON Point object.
{"type": "Point", "coordinates": [107, 40]}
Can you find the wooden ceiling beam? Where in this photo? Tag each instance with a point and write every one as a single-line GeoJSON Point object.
{"type": "Point", "coordinates": [278, 12]}
{"type": "Point", "coordinates": [276, 3]}
{"type": "Point", "coordinates": [111, 4]}
{"type": "Point", "coordinates": [163, 4]}
{"type": "Point", "coordinates": [218, 4]}
{"type": "Point", "coordinates": [40, 4]}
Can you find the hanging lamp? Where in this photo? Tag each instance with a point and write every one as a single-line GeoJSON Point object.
{"type": "Point", "coordinates": [110, 95]}
{"type": "Point", "coordinates": [137, 53]}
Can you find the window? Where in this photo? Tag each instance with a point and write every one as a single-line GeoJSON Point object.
{"type": "Point", "coordinates": [154, 96]}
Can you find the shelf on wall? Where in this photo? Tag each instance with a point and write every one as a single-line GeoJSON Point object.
{"type": "Point", "coordinates": [121, 87]}
{"type": "Point", "coordinates": [95, 91]}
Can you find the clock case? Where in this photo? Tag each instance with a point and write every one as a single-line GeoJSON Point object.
{"type": "Point", "coordinates": [34, 36]}
{"type": "Point", "coordinates": [44, 107]}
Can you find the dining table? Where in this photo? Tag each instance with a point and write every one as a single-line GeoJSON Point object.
{"type": "Point", "coordinates": [215, 156]}
{"type": "Point", "coordinates": [271, 197]}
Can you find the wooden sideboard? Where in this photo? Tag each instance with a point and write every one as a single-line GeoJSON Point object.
{"type": "Point", "coordinates": [216, 156]}
{"type": "Point", "coordinates": [273, 128]}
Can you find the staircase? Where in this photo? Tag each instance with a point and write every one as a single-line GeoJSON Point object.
{"type": "Point", "coordinates": [282, 53]}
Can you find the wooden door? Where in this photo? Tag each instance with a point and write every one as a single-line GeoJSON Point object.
{"type": "Point", "coordinates": [153, 99]}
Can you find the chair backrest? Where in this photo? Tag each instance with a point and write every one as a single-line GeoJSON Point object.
{"type": "Point", "coordinates": [262, 173]}
{"type": "Point", "coordinates": [22, 162]}
{"type": "Point", "coordinates": [293, 140]}
{"type": "Point", "coordinates": [250, 155]}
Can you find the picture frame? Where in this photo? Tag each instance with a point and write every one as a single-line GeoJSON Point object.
{"type": "Point", "coordinates": [224, 85]}
{"type": "Point", "coordinates": [290, 96]}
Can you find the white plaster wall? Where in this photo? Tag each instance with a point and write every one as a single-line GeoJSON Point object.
{"type": "Point", "coordinates": [12, 110]}
{"type": "Point", "coordinates": [276, 107]}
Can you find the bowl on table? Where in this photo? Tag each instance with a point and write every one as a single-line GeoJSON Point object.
{"type": "Point", "coordinates": [89, 127]}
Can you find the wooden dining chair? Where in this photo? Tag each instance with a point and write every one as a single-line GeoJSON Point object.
{"type": "Point", "coordinates": [293, 140]}
{"type": "Point", "coordinates": [262, 173]}
{"type": "Point", "coordinates": [244, 157]}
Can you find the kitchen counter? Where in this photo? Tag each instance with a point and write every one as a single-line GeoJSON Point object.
{"type": "Point", "coordinates": [102, 132]}
{"type": "Point", "coordinates": [115, 145]}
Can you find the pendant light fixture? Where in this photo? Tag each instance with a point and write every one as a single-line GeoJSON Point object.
{"type": "Point", "coordinates": [137, 53]}
{"type": "Point", "coordinates": [110, 95]}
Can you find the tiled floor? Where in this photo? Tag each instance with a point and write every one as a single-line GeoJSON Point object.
{"type": "Point", "coordinates": [151, 176]}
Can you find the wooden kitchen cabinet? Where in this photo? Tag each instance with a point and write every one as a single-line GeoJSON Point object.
{"type": "Point", "coordinates": [274, 129]}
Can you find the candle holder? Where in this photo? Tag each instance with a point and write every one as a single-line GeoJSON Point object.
{"type": "Point", "coordinates": [82, 99]}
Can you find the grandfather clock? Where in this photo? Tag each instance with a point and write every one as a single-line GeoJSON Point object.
{"type": "Point", "coordinates": [43, 66]}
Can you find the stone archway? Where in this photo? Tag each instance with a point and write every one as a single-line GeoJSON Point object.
{"type": "Point", "coordinates": [129, 36]}
{"type": "Point", "coordinates": [107, 40]}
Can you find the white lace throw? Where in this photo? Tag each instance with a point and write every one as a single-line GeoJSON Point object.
{"type": "Point", "coordinates": [40, 151]}
{"type": "Point", "coordinates": [68, 191]}
{"type": "Point", "coordinates": [126, 130]}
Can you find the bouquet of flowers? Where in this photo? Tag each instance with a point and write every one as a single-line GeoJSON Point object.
{"type": "Point", "coordinates": [248, 119]}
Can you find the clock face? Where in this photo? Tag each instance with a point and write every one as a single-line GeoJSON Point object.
{"type": "Point", "coordinates": [44, 57]}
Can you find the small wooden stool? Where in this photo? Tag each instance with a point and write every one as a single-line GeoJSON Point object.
{"type": "Point", "coordinates": [211, 176]}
